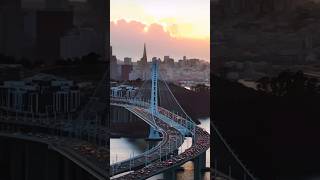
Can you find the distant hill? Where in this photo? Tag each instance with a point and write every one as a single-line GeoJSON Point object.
{"type": "Point", "coordinates": [197, 105]}
{"type": "Point", "coordinates": [284, 37]}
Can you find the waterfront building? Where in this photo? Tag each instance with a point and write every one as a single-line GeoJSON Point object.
{"type": "Point", "coordinates": [123, 91]}
{"type": "Point", "coordinates": [40, 95]}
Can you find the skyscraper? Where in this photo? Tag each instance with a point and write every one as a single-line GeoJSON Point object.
{"type": "Point", "coordinates": [51, 25]}
{"type": "Point", "coordinates": [11, 23]}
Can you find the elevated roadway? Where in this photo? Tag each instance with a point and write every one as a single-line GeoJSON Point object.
{"type": "Point", "coordinates": [165, 155]}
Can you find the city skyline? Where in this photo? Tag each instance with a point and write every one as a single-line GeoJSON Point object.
{"type": "Point", "coordinates": [174, 29]}
{"type": "Point", "coordinates": [150, 58]}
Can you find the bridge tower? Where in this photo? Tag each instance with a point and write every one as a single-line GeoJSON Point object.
{"type": "Point", "coordinates": [154, 88]}
{"type": "Point", "coordinates": [153, 134]}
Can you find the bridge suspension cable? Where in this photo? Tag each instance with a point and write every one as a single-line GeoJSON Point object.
{"type": "Point", "coordinates": [168, 97]}
{"type": "Point", "coordinates": [246, 173]}
{"type": "Point", "coordinates": [170, 102]}
{"type": "Point", "coordinates": [171, 112]}
{"type": "Point", "coordinates": [174, 98]}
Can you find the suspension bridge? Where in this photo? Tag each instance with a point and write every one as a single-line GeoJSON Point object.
{"type": "Point", "coordinates": [83, 137]}
{"type": "Point", "coordinates": [155, 104]}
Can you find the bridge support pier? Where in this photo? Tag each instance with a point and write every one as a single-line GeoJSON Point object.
{"type": "Point", "coordinates": [53, 160]}
{"type": "Point", "coordinates": [79, 174]}
{"type": "Point", "coordinates": [199, 164]}
{"type": "Point", "coordinates": [16, 156]}
{"type": "Point", "coordinates": [176, 152]}
{"type": "Point", "coordinates": [153, 134]}
{"type": "Point", "coordinates": [27, 161]}
{"type": "Point", "coordinates": [67, 169]}
{"type": "Point", "coordinates": [170, 174]}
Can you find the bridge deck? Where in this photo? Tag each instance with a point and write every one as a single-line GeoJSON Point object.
{"type": "Point", "coordinates": [171, 138]}
{"type": "Point", "coordinates": [200, 145]}
{"type": "Point", "coordinates": [82, 152]}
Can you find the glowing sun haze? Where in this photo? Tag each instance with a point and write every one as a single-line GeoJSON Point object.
{"type": "Point", "coordinates": [169, 27]}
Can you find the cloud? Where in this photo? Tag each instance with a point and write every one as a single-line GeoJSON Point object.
{"type": "Point", "coordinates": [127, 39]}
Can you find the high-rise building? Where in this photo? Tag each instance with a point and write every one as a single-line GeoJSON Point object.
{"type": "Point", "coordinates": [125, 71]}
{"type": "Point", "coordinates": [168, 60]}
{"type": "Point", "coordinates": [93, 14]}
{"type": "Point", "coordinates": [11, 25]}
{"type": "Point", "coordinates": [78, 42]}
{"type": "Point", "coordinates": [127, 60]}
{"type": "Point", "coordinates": [51, 25]}
{"type": "Point", "coordinates": [114, 67]}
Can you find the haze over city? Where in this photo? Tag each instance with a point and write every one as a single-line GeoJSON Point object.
{"type": "Point", "coordinates": [173, 28]}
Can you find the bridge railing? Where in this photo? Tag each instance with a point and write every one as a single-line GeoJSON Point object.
{"type": "Point", "coordinates": [118, 163]}
{"type": "Point", "coordinates": [59, 125]}
{"type": "Point", "coordinates": [162, 147]}
{"type": "Point", "coordinates": [130, 101]}
{"type": "Point", "coordinates": [184, 122]}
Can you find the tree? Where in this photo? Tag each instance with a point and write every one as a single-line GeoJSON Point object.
{"type": "Point", "coordinates": [288, 83]}
{"type": "Point", "coordinates": [91, 58]}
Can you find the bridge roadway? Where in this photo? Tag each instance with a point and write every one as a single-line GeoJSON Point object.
{"type": "Point", "coordinates": [200, 144]}
{"type": "Point", "coordinates": [92, 158]}
{"type": "Point", "coordinates": [171, 140]}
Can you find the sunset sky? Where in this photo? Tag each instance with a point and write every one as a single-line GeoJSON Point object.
{"type": "Point", "coordinates": [168, 27]}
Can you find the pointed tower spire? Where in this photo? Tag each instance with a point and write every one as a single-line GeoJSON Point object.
{"type": "Point", "coordinates": [144, 58]}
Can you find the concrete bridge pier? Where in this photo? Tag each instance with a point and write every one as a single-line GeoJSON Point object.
{"type": "Point", "coordinates": [4, 158]}
{"type": "Point", "coordinates": [53, 160]}
{"type": "Point", "coordinates": [170, 174]}
{"type": "Point", "coordinates": [16, 156]}
{"type": "Point", "coordinates": [199, 165]}
{"type": "Point", "coordinates": [176, 152]}
{"type": "Point", "coordinates": [67, 169]}
{"type": "Point", "coordinates": [34, 160]}
{"type": "Point", "coordinates": [153, 134]}
{"type": "Point", "coordinates": [26, 161]}
{"type": "Point", "coordinates": [80, 174]}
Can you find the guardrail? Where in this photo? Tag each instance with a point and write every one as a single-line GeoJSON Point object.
{"type": "Point", "coordinates": [175, 121]}
{"type": "Point", "coordinates": [146, 153]}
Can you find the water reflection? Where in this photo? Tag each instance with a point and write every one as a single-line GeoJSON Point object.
{"type": "Point", "coordinates": [123, 148]}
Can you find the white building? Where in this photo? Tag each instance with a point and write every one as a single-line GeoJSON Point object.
{"type": "Point", "coordinates": [39, 95]}
{"type": "Point", "coordinates": [123, 91]}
